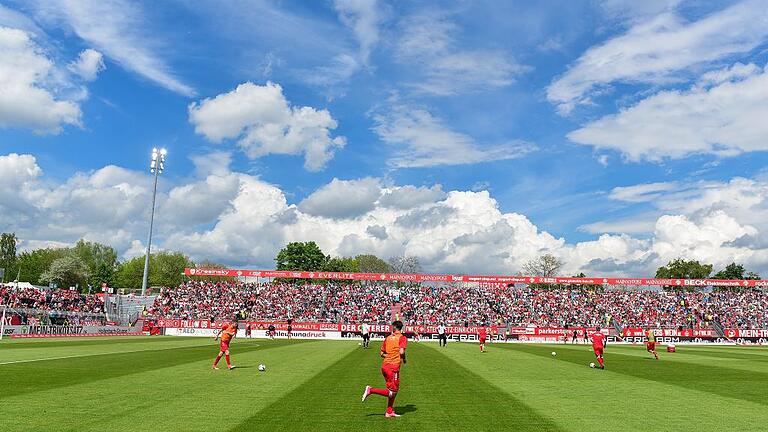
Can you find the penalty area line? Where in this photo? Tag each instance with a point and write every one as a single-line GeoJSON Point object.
{"type": "Point", "coordinates": [101, 354]}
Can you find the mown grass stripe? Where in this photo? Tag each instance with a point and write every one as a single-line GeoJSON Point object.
{"type": "Point", "coordinates": [21, 378]}
{"type": "Point", "coordinates": [733, 383]}
{"type": "Point", "coordinates": [436, 393]}
{"type": "Point", "coordinates": [23, 344]}
{"type": "Point", "coordinates": [96, 354]}
{"type": "Point", "coordinates": [189, 397]}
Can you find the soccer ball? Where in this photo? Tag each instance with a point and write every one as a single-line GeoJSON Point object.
{"type": "Point", "coordinates": [554, 354]}
{"type": "Point", "coordinates": [262, 367]}
{"type": "Point", "coordinates": [592, 365]}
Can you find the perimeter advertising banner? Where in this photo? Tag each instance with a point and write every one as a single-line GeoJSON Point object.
{"type": "Point", "coordinates": [56, 330]}
{"type": "Point", "coordinates": [484, 280]}
{"type": "Point", "coordinates": [331, 331]}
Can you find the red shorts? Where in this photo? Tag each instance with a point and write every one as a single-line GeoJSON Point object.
{"type": "Point", "coordinates": [482, 341]}
{"type": "Point", "coordinates": [598, 351]}
{"type": "Point", "coordinates": [223, 346]}
{"type": "Point", "coordinates": [391, 376]}
{"type": "Point", "coordinates": [650, 346]}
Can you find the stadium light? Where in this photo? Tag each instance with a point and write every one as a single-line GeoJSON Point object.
{"type": "Point", "coordinates": [156, 166]}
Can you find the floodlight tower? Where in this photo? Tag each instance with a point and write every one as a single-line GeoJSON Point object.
{"type": "Point", "coordinates": [156, 166]}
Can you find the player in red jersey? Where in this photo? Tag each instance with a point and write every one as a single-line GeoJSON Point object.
{"type": "Point", "coordinates": [482, 334]}
{"type": "Point", "coordinates": [227, 332]}
{"type": "Point", "coordinates": [598, 346]}
{"type": "Point", "coordinates": [393, 353]}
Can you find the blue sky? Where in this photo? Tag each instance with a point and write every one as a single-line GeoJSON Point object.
{"type": "Point", "coordinates": [616, 135]}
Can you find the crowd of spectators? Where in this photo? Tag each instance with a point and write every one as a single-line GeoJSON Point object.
{"type": "Point", "coordinates": [41, 306]}
{"type": "Point", "coordinates": [59, 300]}
{"type": "Point", "coordinates": [448, 304]}
{"type": "Point", "coordinates": [463, 305]}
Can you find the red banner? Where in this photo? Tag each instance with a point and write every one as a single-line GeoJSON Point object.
{"type": "Point", "coordinates": [483, 280]}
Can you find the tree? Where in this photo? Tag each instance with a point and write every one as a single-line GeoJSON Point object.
{"type": "Point", "coordinates": [8, 243]}
{"type": "Point", "coordinates": [32, 264]}
{"type": "Point", "coordinates": [731, 271]}
{"type": "Point", "coordinates": [66, 271]}
{"type": "Point", "coordinates": [372, 264]}
{"type": "Point", "coordinates": [735, 271]}
{"type": "Point", "coordinates": [129, 273]}
{"type": "Point", "coordinates": [682, 269]}
{"type": "Point", "coordinates": [345, 265]}
{"type": "Point", "coordinates": [405, 265]}
{"type": "Point", "coordinates": [167, 268]}
{"type": "Point", "coordinates": [301, 256]}
{"type": "Point", "coordinates": [544, 266]}
{"type": "Point", "coordinates": [100, 259]}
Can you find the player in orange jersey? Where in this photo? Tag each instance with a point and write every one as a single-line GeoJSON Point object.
{"type": "Point", "coordinates": [393, 353]}
{"type": "Point", "coordinates": [227, 332]}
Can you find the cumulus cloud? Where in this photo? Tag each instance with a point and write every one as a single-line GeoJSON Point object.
{"type": "Point", "coordinates": [118, 29]}
{"type": "Point", "coordinates": [341, 199]}
{"type": "Point", "coordinates": [744, 199]}
{"type": "Point", "coordinates": [249, 220]}
{"type": "Point", "coordinates": [724, 119]}
{"type": "Point", "coordinates": [659, 50]}
{"type": "Point", "coordinates": [29, 83]}
{"type": "Point", "coordinates": [428, 39]}
{"type": "Point", "coordinates": [407, 197]}
{"type": "Point", "coordinates": [263, 122]}
{"type": "Point", "coordinates": [423, 140]}
{"type": "Point", "coordinates": [88, 64]}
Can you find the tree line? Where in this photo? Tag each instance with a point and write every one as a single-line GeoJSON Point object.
{"type": "Point", "coordinates": [87, 265]}
{"type": "Point", "coordinates": [307, 256]}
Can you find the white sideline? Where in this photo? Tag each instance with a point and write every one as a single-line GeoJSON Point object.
{"type": "Point", "coordinates": [97, 354]}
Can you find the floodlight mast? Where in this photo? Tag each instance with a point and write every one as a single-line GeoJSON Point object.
{"type": "Point", "coordinates": [156, 166]}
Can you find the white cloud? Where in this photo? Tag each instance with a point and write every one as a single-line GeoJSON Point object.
{"type": "Point", "coordinates": [428, 40]}
{"type": "Point", "coordinates": [216, 163]}
{"type": "Point", "coordinates": [642, 192]}
{"type": "Point", "coordinates": [659, 50]}
{"type": "Point", "coordinates": [342, 199]}
{"type": "Point", "coordinates": [118, 29]}
{"type": "Point", "coordinates": [423, 141]}
{"type": "Point", "coordinates": [88, 64]}
{"type": "Point", "coordinates": [263, 122]}
{"type": "Point", "coordinates": [746, 200]}
{"type": "Point", "coordinates": [29, 83]}
{"type": "Point", "coordinates": [363, 17]}
{"type": "Point", "coordinates": [408, 197]}
{"type": "Point", "coordinates": [458, 231]}
{"type": "Point", "coordinates": [724, 119]}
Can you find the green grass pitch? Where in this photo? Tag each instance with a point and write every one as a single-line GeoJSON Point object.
{"type": "Point", "coordinates": [166, 384]}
